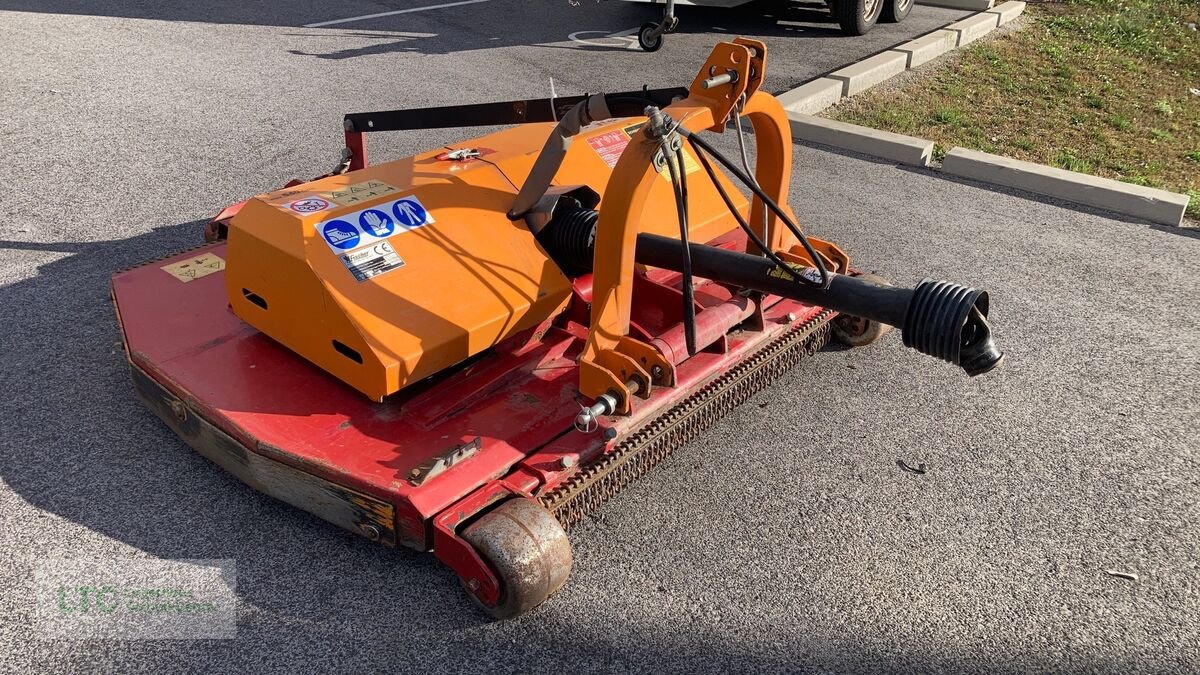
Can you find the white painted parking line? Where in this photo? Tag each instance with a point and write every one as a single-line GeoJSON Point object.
{"type": "Point", "coordinates": [364, 17]}
{"type": "Point", "coordinates": [624, 39]}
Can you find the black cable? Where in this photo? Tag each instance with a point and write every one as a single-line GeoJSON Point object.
{"type": "Point", "coordinates": [753, 236]}
{"type": "Point", "coordinates": [689, 301]}
{"type": "Point", "coordinates": [770, 203]}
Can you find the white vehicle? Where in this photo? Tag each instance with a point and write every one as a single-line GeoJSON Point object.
{"type": "Point", "coordinates": [856, 17]}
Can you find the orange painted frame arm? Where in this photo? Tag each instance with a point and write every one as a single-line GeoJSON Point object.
{"type": "Point", "coordinates": [603, 366]}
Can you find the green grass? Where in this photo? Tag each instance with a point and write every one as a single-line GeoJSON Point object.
{"type": "Point", "coordinates": [1096, 86]}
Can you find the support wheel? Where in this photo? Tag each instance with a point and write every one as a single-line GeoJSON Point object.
{"type": "Point", "coordinates": [855, 331]}
{"type": "Point", "coordinates": [649, 37]}
{"type": "Point", "coordinates": [857, 17]}
{"type": "Point", "coordinates": [526, 549]}
{"type": "Point", "coordinates": [894, 11]}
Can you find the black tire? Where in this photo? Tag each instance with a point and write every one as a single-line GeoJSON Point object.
{"type": "Point", "coordinates": [645, 41]}
{"type": "Point", "coordinates": [894, 11]}
{"type": "Point", "coordinates": [857, 17]}
{"type": "Point", "coordinates": [853, 331]}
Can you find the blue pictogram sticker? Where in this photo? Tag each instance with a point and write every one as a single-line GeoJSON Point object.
{"type": "Point", "coordinates": [410, 213]}
{"type": "Point", "coordinates": [376, 223]}
{"type": "Point", "coordinates": [340, 234]}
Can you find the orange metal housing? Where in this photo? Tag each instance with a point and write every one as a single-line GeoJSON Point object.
{"type": "Point", "coordinates": [470, 278]}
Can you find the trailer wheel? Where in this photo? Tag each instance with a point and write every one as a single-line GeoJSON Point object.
{"type": "Point", "coordinates": [855, 331]}
{"type": "Point", "coordinates": [526, 549]}
{"type": "Point", "coordinates": [857, 17]}
{"type": "Point", "coordinates": [894, 11]}
{"type": "Point", "coordinates": [649, 37]}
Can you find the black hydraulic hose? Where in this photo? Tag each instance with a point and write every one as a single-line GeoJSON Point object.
{"type": "Point", "coordinates": [762, 246]}
{"type": "Point", "coordinates": [679, 183]}
{"type": "Point", "coordinates": [592, 109]}
{"type": "Point", "coordinates": [770, 203]}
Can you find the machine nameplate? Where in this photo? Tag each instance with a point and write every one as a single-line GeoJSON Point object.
{"type": "Point", "coordinates": [371, 261]}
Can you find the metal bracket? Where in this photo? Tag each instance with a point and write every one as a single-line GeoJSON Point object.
{"type": "Point", "coordinates": [673, 144]}
{"type": "Point", "coordinates": [344, 160]}
{"type": "Point", "coordinates": [438, 464]}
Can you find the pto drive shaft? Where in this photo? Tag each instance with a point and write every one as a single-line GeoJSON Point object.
{"type": "Point", "coordinates": [938, 318]}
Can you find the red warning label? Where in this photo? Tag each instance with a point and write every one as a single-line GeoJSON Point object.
{"type": "Point", "coordinates": [610, 145]}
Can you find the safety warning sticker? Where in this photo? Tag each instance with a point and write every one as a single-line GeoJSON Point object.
{"type": "Point", "coordinates": [309, 205]}
{"type": "Point", "coordinates": [360, 192]}
{"type": "Point", "coordinates": [372, 260]}
{"type": "Point", "coordinates": [611, 144]}
{"type": "Point", "coordinates": [373, 225]}
{"type": "Point", "coordinates": [195, 268]}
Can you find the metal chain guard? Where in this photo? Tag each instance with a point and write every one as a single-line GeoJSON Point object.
{"type": "Point", "coordinates": [643, 449]}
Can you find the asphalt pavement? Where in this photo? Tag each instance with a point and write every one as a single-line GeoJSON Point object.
{"type": "Point", "coordinates": [788, 538]}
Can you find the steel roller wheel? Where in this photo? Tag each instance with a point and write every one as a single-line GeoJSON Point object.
{"type": "Point", "coordinates": [894, 11]}
{"type": "Point", "coordinates": [854, 331]}
{"type": "Point", "coordinates": [857, 17]}
{"type": "Point", "coordinates": [526, 549]}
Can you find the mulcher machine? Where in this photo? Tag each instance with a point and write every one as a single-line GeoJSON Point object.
{"type": "Point", "coordinates": [467, 350]}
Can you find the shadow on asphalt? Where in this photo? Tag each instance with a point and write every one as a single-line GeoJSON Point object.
{"type": "Point", "coordinates": [79, 445]}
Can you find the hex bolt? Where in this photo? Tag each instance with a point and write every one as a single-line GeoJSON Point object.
{"type": "Point", "coordinates": [566, 461]}
{"type": "Point", "coordinates": [610, 433]}
{"type": "Point", "coordinates": [790, 317]}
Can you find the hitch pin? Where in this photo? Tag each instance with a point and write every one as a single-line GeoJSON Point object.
{"type": "Point", "coordinates": [718, 80]}
{"type": "Point", "coordinates": [589, 417]}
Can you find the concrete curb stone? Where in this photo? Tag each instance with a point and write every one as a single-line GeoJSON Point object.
{"type": "Point", "coordinates": [869, 72]}
{"type": "Point", "coordinates": [812, 97]}
{"type": "Point", "coordinates": [885, 144]}
{"type": "Point", "coordinates": [1158, 206]}
{"type": "Point", "coordinates": [928, 47]}
{"type": "Point", "coordinates": [974, 27]}
{"type": "Point", "coordinates": [1008, 11]}
{"type": "Point", "coordinates": [959, 4]}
